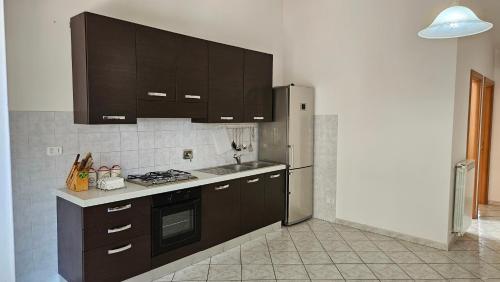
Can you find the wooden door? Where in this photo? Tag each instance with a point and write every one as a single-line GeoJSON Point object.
{"type": "Point", "coordinates": [258, 86]}
{"type": "Point", "coordinates": [485, 141]}
{"type": "Point", "coordinates": [225, 83]}
{"type": "Point", "coordinates": [156, 68]}
{"type": "Point", "coordinates": [221, 212]}
{"type": "Point", "coordinates": [253, 206]}
{"type": "Point", "coordinates": [275, 196]}
{"type": "Point", "coordinates": [111, 69]}
{"type": "Point", "coordinates": [474, 130]}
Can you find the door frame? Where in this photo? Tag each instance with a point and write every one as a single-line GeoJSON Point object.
{"type": "Point", "coordinates": [480, 193]}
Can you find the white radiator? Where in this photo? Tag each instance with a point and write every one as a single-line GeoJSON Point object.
{"type": "Point", "coordinates": [464, 190]}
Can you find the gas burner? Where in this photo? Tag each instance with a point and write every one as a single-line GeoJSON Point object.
{"type": "Point", "coordinates": [160, 177]}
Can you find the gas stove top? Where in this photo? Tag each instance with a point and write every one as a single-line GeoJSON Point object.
{"type": "Point", "coordinates": [160, 177]}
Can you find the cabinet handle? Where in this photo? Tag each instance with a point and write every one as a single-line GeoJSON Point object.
{"type": "Point", "coordinates": [258, 118]}
{"type": "Point", "coordinates": [226, 118]}
{"type": "Point", "coordinates": [192, 97]}
{"type": "Point", "coordinates": [119, 250]}
{"type": "Point", "coordinates": [275, 175]}
{"type": "Point", "coordinates": [157, 94]}
{"type": "Point", "coordinates": [119, 229]}
{"type": "Point", "coordinates": [223, 187]}
{"type": "Point", "coordinates": [113, 117]}
{"type": "Point", "coordinates": [253, 180]}
{"type": "Point", "coordinates": [121, 208]}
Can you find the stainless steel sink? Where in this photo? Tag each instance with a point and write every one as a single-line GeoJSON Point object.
{"type": "Point", "coordinates": [233, 168]}
{"type": "Point", "coordinates": [257, 164]}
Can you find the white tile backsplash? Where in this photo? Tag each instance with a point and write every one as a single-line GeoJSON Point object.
{"type": "Point", "coordinates": [151, 144]}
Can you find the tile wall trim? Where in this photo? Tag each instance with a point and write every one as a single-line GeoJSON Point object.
{"type": "Point", "coordinates": [393, 234]}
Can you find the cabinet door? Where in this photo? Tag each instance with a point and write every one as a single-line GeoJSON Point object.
{"type": "Point", "coordinates": [253, 194]}
{"type": "Point", "coordinates": [157, 52]}
{"type": "Point", "coordinates": [225, 83]}
{"type": "Point", "coordinates": [275, 196]}
{"type": "Point", "coordinates": [221, 212]}
{"type": "Point", "coordinates": [192, 70]}
{"type": "Point", "coordinates": [258, 86]}
{"type": "Point", "coordinates": [111, 70]}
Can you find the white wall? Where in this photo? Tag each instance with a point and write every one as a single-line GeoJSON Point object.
{"type": "Point", "coordinates": [7, 272]}
{"type": "Point", "coordinates": [38, 46]}
{"type": "Point", "coordinates": [393, 93]}
{"type": "Point", "coordinates": [494, 192]}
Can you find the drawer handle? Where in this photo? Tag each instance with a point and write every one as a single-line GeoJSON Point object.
{"type": "Point", "coordinates": [113, 117]}
{"type": "Point", "coordinates": [253, 180]}
{"type": "Point", "coordinates": [157, 94]}
{"type": "Point", "coordinates": [275, 175]}
{"type": "Point", "coordinates": [192, 97]}
{"type": "Point", "coordinates": [258, 118]}
{"type": "Point", "coordinates": [226, 118]}
{"type": "Point", "coordinates": [119, 229]}
{"type": "Point", "coordinates": [119, 250]}
{"type": "Point", "coordinates": [223, 187]}
{"type": "Point", "coordinates": [115, 209]}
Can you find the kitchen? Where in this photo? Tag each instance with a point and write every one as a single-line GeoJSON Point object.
{"type": "Point", "coordinates": [383, 139]}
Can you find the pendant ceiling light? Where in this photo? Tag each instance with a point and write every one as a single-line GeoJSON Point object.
{"type": "Point", "coordinates": [456, 21]}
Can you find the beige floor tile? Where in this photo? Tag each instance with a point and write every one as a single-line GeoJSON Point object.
{"type": "Point", "coordinates": [403, 257]}
{"type": "Point", "coordinates": [282, 246]}
{"type": "Point", "coordinates": [434, 257]}
{"type": "Point", "coordinates": [482, 270]}
{"type": "Point", "coordinates": [374, 257]}
{"type": "Point", "coordinates": [257, 272]}
{"type": "Point", "coordinates": [452, 271]}
{"type": "Point", "coordinates": [355, 271]}
{"type": "Point", "coordinates": [337, 246]}
{"type": "Point", "coordinates": [323, 272]}
{"type": "Point", "coordinates": [345, 257]}
{"type": "Point", "coordinates": [290, 272]}
{"type": "Point", "coordinates": [192, 273]}
{"type": "Point", "coordinates": [390, 246]}
{"type": "Point", "coordinates": [387, 271]}
{"type": "Point", "coordinates": [420, 271]}
{"type": "Point", "coordinates": [224, 272]}
{"type": "Point", "coordinates": [309, 246]}
{"type": "Point", "coordinates": [228, 257]}
{"type": "Point", "coordinates": [285, 258]}
{"type": "Point", "coordinates": [315, 258]}
{"type": "Point", "coordinates": [261, 257]}
{"type": "Point", "coordinates": [363, 246]}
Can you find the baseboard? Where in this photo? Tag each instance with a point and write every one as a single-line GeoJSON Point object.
{"type": "Point", "coordinates": [177, 265]}
{"type": "Point", "coordinates": [393, 234]}
{"type": "Point", "coordinates": [494, 203]}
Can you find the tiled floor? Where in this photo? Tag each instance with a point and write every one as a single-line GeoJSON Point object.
{"type": "Point", "coordinates": [321, 251]}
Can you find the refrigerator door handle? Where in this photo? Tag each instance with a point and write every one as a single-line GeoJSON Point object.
{"type": "Point", "coordinates": [291, 157]}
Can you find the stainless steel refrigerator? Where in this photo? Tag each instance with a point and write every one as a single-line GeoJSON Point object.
{"type": "Point", "coordinates": [289, 139]}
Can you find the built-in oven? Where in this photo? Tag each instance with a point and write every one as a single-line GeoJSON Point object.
{"type": "Point", "coordinates": [176, 219]}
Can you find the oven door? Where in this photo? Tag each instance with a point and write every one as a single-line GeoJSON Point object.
{"type": "Point", "coordinates": [176, 225]}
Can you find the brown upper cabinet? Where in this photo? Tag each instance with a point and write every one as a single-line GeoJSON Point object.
{"type": "Point", "coordinates": [225, 83]}
{"type": "Point", "coordinates": [172, 74]}
{"type": "Point", "coordinates": [104, 70]}
{"type": "Point", "coordinates": [258, 86]}
{"type": "Point", "coordinates": [123, 71]}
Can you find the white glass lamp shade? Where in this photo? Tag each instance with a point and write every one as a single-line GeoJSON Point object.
{"type": "Point", "coordinates": [456, 21]}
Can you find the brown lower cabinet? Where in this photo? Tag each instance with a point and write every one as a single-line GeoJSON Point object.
{"type": "Point", "coordinates": [220, 208]}
{"type": "Point", "coordinates": [112, 242]}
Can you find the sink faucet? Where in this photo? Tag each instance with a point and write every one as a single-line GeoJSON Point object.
{"type": "Point", "coordinates": [237, 157]}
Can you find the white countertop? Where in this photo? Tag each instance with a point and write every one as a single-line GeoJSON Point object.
{"type": "Point", "coordinates": [94, 197]}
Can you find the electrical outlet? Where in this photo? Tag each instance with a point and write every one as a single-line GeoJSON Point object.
{"type": "Point", "coordinates": [188, 154]}
{"type": "Point", "coordinates": [54, 151]}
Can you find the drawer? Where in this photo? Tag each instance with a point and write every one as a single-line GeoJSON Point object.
{"type": "Point", "coordinates": [119, 230]}
{"type": "Point", "coordinates": [118, 261]}
{"type": "Point", "coordinates": [118, 213]}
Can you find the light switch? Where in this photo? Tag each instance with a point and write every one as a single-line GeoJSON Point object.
{"type": "Point", "coordinates": [54, 151]}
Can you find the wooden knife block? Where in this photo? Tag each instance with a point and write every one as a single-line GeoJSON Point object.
{"type": "Point", "coordinates": [75, 181]}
